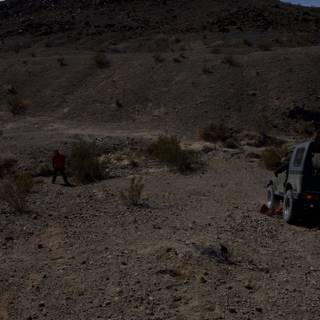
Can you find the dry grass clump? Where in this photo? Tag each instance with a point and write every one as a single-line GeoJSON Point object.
{"type": "Point", "coordinates": [84, 162]}
{"type": "Point", "coordinates": [229, 60]}
{"type": "Point", "coordinates": [133, 194]}
{"type": "Point", "coordinates": [215, 133]}
{"type": "Point", "coordinates": [101, 60]}
{"type": "Point", "coordinates": [17, 105]}
{"type": "Point", "coordinates": [168, 150]}
{"type": "Point", "coordinates": [271, 157]}
{"type": "Point", "coordinates": [305, 128]}
{"type": "Point", "coordinates": [14, 191]}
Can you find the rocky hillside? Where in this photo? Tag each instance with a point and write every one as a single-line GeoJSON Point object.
{"type": "Point", "coordinates": [168, 66]}
{"type": "Point", "coordinates": [115, 21]}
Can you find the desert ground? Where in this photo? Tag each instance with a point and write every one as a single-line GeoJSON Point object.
{"type": "Point", "coordinates": [196, 247]}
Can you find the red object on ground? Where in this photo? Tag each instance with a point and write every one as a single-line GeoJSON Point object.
{"type": "Point", "coordinates": [58, 161]}
{"type": "Point", "coordinates": [271, 212]}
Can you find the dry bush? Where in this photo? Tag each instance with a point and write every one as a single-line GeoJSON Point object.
{"type": "Point", "coordinates": [17, 105]}
{"type": "Point", "coordinates": [168, 150]}
{"type": "Point", "coordinates": [304, 40]}
{"type": "Point", "coordinates": [84, 162]}
{"type": "Point", "coordinates": [14, 191]}
{"type": "Point", "coordinates": [231, 143]}
{"type": "Point", "coordinates": [215, 133]}
{"type": "Point", "coordinates": [305, 129]}
{"type": "Point", "coordinates": [101, 60]}
{"type": "Point", "coordinates": [229, 60]}
{"type": "Point", "coordinates": [45, 170]}
{"type": "Point", "coordinates": [271, 157]}
{"type": "Point", "coordinates": [132, 195]}
{"type": "Point", "coordinates": [262, 123]}
{"type": "Point", "coordinates": [253, 139]}
{"type": "Point", "coordinates": [7, 164]}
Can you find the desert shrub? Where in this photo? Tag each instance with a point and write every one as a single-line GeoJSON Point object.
{"type": "Point", "coordinates": [262, 123]}
{"type": "Point", "coordinates": [84, 162]}
{"type": "Point", "coordinates": [17, 105]}
{"type": "Point", "coordinates": [271, 157]}
{"type": "Point", "coordinates": [7, 165]}
{"type": "Point", "coordinates": [305, 128]}
{"type": "Point", "coordinates": [229, 60]}
{"type": "Point", "coordinates": [45, 170]}
{"type": "Point", "coordinates": [167, 149]}
{"type": "Point", "coordinates": [133, 160]}
{"type": "Point", "coordinates": [215, 133]}
{"type": "Point", "coordinates": [231, 144]}
{"type": "Point", "coordinates": [101, 60]}
{"type": "Point", "coordinates": [14, 191]}
{"type": "Point", "coordinates": [132, 195]}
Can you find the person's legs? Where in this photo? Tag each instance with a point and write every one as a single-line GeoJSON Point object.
{"type": "Point", "coordinates": [54, 177]}
{"type": "Point", "coordinates": [64, 176]}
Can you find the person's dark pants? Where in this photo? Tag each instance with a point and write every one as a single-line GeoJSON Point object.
{"type": "Point", "coordinates": [63, 174]}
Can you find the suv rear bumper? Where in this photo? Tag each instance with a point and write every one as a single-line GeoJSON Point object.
{"type": "Point", "coordinates": [309, 199]}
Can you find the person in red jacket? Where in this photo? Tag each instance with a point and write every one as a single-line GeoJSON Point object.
{"type": "Point", "coordinates": [58, 164]}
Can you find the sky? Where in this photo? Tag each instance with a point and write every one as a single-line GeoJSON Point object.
{"type": "Point", "coordinates": [312, 3]}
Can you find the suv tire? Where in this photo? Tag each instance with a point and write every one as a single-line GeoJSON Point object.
{"type": "Point", "coordinates": [273, 201]}
{"type": "Point", "coordinates": [290, 207]}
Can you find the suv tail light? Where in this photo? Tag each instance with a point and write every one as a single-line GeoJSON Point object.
{"type": "Point", "coordinates": [311, 197]}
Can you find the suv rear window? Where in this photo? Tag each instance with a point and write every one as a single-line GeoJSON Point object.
{"type": "Point", "coordinates": [315, 157]}
{"type": "Point", "coordinates": [297, 162]}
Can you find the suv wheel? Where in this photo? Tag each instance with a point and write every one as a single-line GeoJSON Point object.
{"type": "Point", "coordinates": [272, 200]}
{"type": "Point", "coordinates": [289, 207]}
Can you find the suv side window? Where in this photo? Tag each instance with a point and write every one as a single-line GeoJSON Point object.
{"type": "Point", "coordinates": [298, 158]}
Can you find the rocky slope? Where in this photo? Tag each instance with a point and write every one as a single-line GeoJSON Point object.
{"type": "Point", "coordinates": [115, 21]}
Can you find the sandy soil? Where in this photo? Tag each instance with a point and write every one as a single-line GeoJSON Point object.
{"type": "Point", "coordinates": [82, 254]}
